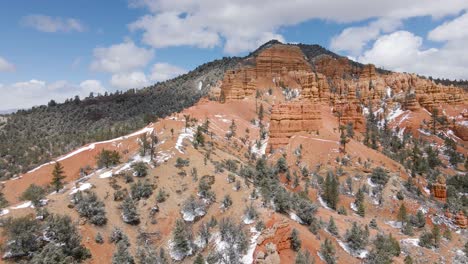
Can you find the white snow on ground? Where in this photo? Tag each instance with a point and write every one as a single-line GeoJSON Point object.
{"type": "Point", "coordinates": [389, 92]}
{"type": "Point", "coordinates": [371, 184]}
{"type": "Point", "coordinates": [463, 123]}
{"type": "Point", "coordinates": [93, 145]}
{"type": "Point", "coordinates": [396, 112]}
{"type": "Point", "coordinates": [106, 174]}
{"type": "Point", "coordinates": [319, 139]}
{"type": "Point", "coordinates": [365, 111]}
{"type": "Point", "coordinates": [452, 135]}
{"type": "Point", "coordinates": [394, 224]}
{"type": "Point", "coordinates": [410, 242]}
{"type": "Point", "coordinates": [353, 207]}
{"type": "Point", "coordinates": [358, 254]}
{"type": "Point", "coordinates": [322, 202]}
{"type": "Point", "coordinates": [248, 257]}
{"type": "Point", "coordinates": [162, 156]}
{"type": "Point", "coordinates": [401, 132]}
{"type": "Point", "coordinates": [296, 218]}
{"type": "Point", "coordinates": [82, 187]}
{"type": "Point", "coordinates": [423, 209]}
{"type": "Point", "coordinates": [260, 151]}
{"type": "Point", "coordinates": [248, 221]}
{"type": "Point", "coordinates": [4, 212]}
{"type": "Point", "coordinates": [406, 116]}
{"type": "Point", "coordinates": [183, 135]}
{"type": "Point", "coordinates": [190, 217]}
{"type": "Point", "coordinates": [426, 190]}
{"type": "Point", "coordinates": [23, 205]}
{"type": "Point", "coordinates": [200, 84]}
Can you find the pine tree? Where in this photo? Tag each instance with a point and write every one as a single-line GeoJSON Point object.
{"type": "Point", "coordinates": [330, 190]}
{"type": "Point", "coordinates": [420, 219]}
{"type": "Point", "coordinates": [3, 201]}
{"type": "Point", "coordinates": [144, 144]}
{"type": "Point", "coordinates": [357, 237]}
{"type": "Point", "coordinates": [295, 241]}
{"type": "Point", "coordinates": [408, 260]}
{"type": "Point", "coordinates": [154, 143]}
{"type": "Point", "coordinates": [343, 139]}
{"type": "Point", "coordinates": [199, 137]}
{"type": "Point", "coordinates": [57, 177]}
{"type": "Point", "coordinates": [122, 255]}
{"type": "Point", "coordinates": [332, 227]}
{"type": "Point", "coordinates": [327, 251]}
{"type": "Point", "coordinates": [260, 113]}
{"type": "Point", "coordinates": [180, 239]}
{"type": "Point", "coordinates": [129, 212]}
{"type": "Point", "coordinates": [304, 258]}
{"type": "Point", "coordinates": [402, 214]}
{"type": "Point", "coordinates": [436, 235]}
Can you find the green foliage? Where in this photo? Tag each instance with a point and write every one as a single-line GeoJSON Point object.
{"type": "Point", "coordinates": [402, 213]}
{"type": "Point", "coordinates": [304, 258]}
{"type": "Point", "coordinates": [332, 227]}
{"type": "Point", "coordinates": [357, 237]}
{"type": "Point", "coordinates": [88, 205]}
{"type": "Point", "coordinates": [57, 176]}
{"type": "Point", "coordinates": [227, 201]}
{"type": "Point", "coordinates": [282, 165]}
{"type": "Point", "coordinates": [295, 240]}
{"type": "Point", "coordinates": [199, 139]}
{"type": "Point", "coordinates": [180, 163]}
{"type": "Point", "coordinates": [107, 158]}
{"type": "Point", "coordinates": [161, 196]}
{"type": "Point", "coordinates": [141, 190]}
{"type": "Point", "coordinates": [327, 251]}
{"type": "Point", "coordinates": [3, 201]}
{"type": "Point", "coordinates": [330, 192]}
{"type": "Point", "coordinates": [379, 176]}
{"type": "Point", "coordinates": [129, 212]}
{"type": "Point", "coordinates": [34, 194]}
{"type": "Point", "coordinates": [140, 169]}
{"type": "Point", "coordinates": [385, 248]}
{"type": "Point", "coordinates": [408, 260]}
{"type": "Point", "coordinates": [122, 255]}
{"type": "Point", "coordinates": [430, 239]}
{"type": "Point", "coordinates": [23, 236]}
{"type": "Point", "coordinates": [199, 259]}
{"type": "Point", "coordinates": [99, 239]}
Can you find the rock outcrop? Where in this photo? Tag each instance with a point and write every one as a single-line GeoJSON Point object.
{"type": "Point", "coordinates": [271, 255]}
{"type": "Point", "coordinates": [278, 58]}
{"type": "Point", "coordinates": [439, 189]}
{"type": "Point", "coordinates": [461, 220]}
{"type": "Point", "coordinates": [289, 118]}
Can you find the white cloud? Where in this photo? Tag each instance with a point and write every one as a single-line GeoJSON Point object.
{"type": "Point", "coordinates": [241, 24]}
{"type": "Point", "coordinates": [403, 51]}
{"type": "Point", "coordinates": [6, 66]}
{"type": "Point", "coordinates": [123, 57]}
{"type": "Point", "coordinates": [354, 39]}
{"type": "Point", "coordinates": [52, 24]}
{"type": "Point", "coordinates": [37, 92]}
{"type": "Point", "coordinates": [452, 30]}
{"type": "Point", "coordinates": [165, 71]}
{"type": "Point", "coordinates": [135, 79]}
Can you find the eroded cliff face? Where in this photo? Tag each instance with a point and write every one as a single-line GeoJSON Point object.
{"type": "Point", "coordinates": [346, 86]}
{"type": "Point", "coordinates": [289, 118]}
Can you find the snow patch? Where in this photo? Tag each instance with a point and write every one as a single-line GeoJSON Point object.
{"type": "Point", "coordinates": [188, 134]}
{"type": "Point", "coordinates": [394, 224]}
{"type": "Point", "coordinates": [248, 257]}
{"type": "Point", "coordinates": [371, 184]}
{"type": "Point", "coordinates": [322, 203]}
{"type": "Point", "coordinates": [410, 242]}
{"type": "Point", "coordinates": [260, 151]}
{"type": "Point", "coordinates": [4, 212]}
{"type": "Point", "coordinates": [82, 187]}
{"type": "Point", "coordinates": [358, 254]}
{"type": "Point", "coordinates": [106, 174]}
{"type": "Point", "coordinates": [23, 205]}
{"type": "Point", "coordinates": [353, 207]}
{"type": "Point", "coordinates": [296, 218]}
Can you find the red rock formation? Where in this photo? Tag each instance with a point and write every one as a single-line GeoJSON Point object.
{"type": "Point", "coordinates": [238, 84]}
{"type": "Point", "coordinates": [461, 220]}
{"type": "Point", "coordinates": [291, 117]}
{"type": "Point", "coordinates": [461, 131]}
{"type": "Point", "coordinates": [272, 60]}
{"type": "Point", "coordinates": [439, 189]}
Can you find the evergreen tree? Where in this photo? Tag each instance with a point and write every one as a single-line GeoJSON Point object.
{"type": "Point", "coordinates": [34, 194]}
{"type": "Point", "coordinates": [408, 260]}
{"type": "Point", "coordinates": [154, 143]}
{"type": "Point", "coordinates": [199, 139]}
{"type": "Point", "coordinates": [180, 239]}
{"type": "Point", "coordinates": [147, 255]}
{"type": "Point", "coordinates": [350, 130]}
{"type": "Point", "coordinates": [281, 165]}
{"type": "Point", "coordinates": [295, 241]}
{"type": "Point", "coordinates": [260, 113]}
{"type": "Point", "coordinates": [327, 251]}
{"type": "Point", "coordinates": [57, 177]}
{"type": "Point", "coordinates": [357, 237]}
{"type": "Point", "coordinates": [343, 139]}
{"type": "Point", "coordinates": [361, 210]}
{"type": "Point", "coordinates": [122, 255]}
{"type": "Point", "coordinates": [420, 219]}
{"type": "Point", "coordinates": [144, 144]}
{"type": "Point", "coordinates": [3, 201]}
{"type": "Point", "coordinates": [304, 258]}
{"type": "Point", "coordinates": [129, 212]}
{"type": "Point", "coordinates": [402, 214]}
{"type": "Point", "coordinates": [332, 227]}
{"type": "Point", "coordinates": [330, 190]}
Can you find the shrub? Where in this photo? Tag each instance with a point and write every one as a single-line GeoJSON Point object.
{"type": "Point", "coordinates": [141, 190]}
{"type": "Point", "coordinates": [140, 169]}
{"type": "Point", "coordinates": [357, 237]}
{"type": "Point", "coordinates": [88, 205]}
{"type": "Point", "coordinates": [332, 227]}
{"type": "Point", "coordinates": [295, 241]}
{"type": "Point", "coordinates": [327, 251]}
{"type": "Point", "coordinates": [379, 176]}
{"type": "Point", "coordinates": [34, 193]}
{"type": "Point", "coordinates": [129, 212]}
{"type": "Point", "coordinates": [107, 158]}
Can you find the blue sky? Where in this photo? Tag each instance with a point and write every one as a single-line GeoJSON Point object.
{"type": "Point", "coordinates": [56, 49]}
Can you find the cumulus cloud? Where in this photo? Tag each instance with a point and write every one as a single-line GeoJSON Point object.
{"type": "Point", "coordinates": [354, 39]}
{"type": "Point", "coordinates": [130, 80]}
{"type": "Point", "coordinates": [165, 71]}
{"type": "Point", "coordinates": [240, 25]}
{"type": "Point", "coordinates": [6, 66]}
{"type": "Point", "coordinates": [455, 29]}
{"type": "Point", "coordinates": [122, 57]}
{"type": "Point", "coordinates": [52, 24]}
{"type": "Point", "coordinates": [37, 92]}
{"type": "Point", "coordinates": [404, 51]}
